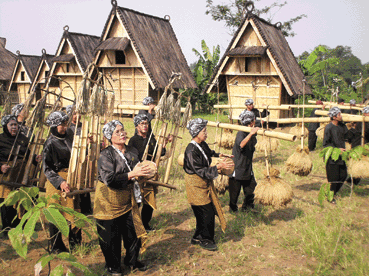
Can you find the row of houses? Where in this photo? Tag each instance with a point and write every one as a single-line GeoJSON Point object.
{"type": "Point", "coordinates": [139, 52]}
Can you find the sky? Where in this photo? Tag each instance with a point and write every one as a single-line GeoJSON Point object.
{"type": "Point", "coordinates": [31, 25]}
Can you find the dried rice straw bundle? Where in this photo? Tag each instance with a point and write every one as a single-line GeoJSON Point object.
{"type": "Point", "coordinates": [320, 131]}
{"type": "Point", "coordinates": [358, 168]}
{"type": "Point", "coordinates": [27, 105]}
{"type": "Point", "coordinates": [186, 115]}
{"type": "Point", "coordinates": [95, 99]}
{"type": "Point", "coordinates": [299, 162]}
{"type": "Point", "coordinates": [160, 108]}
{"type": "Point", "coordinates": [177, 112]}
{"type": "Point", "coordinates": [168, 113]}
{"type": "Point", "coordinates": [221, 184]}
{"type": "Point", "coordinates": [7, 110]}
{"type": "Point", "coordinates": [273, 190]}
{"type": "Point", "coordinates": [83, 94]}
{"type": "Point", "coordinates": [266, 143]}
{"type": "Point", "coordinates": [226, 140]}
{"type": "Point", "coordinates": [38, 112]}
{"type": "Point", "coordinates": [296, 130]}
{"type": "Point", "coordinates": [109, 104]}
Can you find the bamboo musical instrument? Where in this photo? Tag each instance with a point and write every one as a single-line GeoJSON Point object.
{"type": "Point", "coordinates": [268, 133]}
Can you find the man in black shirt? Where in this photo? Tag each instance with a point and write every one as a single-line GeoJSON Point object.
{"type": "Point", "coordinates": [335, 135]}
{"type": "Point", "coordinates": [149, 113]}
{"type": "Point", "coordinates": [250, 107]}
{"type": "Point", "coordinates": [243, 176]}
{"type": "Point", "coordinates": [140, 140]}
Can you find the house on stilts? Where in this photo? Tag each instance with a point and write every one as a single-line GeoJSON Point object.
{"type": "Point", "coordinates": [23, 75]}
{"type": "Point", "coordinates": [7, 63]}
{"type": "Point", "coordinates": [43, 70]}
{"type": "Point", "coordinates": [140, 52]}
{"type": "Point", "coordinates": [260, 65]}
{"type": "Point", "coordinates": [73, 56]}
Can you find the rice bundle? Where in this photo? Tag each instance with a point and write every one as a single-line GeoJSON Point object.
{"type": "Point", "coordinates": [221, 184]}
{"type": "Point", "coordinates": [266, 143]}
{"type": "Point", "coordinates": [226, 140]}
{"type": "Point", "coordinates": [214, 161]}
{"type": "Point", "coordinates": [152, 172]}
{"type": "Point", "coordinates": [320, 131]}
{"type": "Point", "coordinates": [358, 168]}
{"type": "Point", "coordinates": [273, 190]}
{"type": "Point", "coordinates": [296, 130]}
{"type": "Point", "coordinates": [299, 162]}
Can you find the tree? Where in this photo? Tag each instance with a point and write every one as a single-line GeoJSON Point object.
{"type": "Point", "coordinates": [234, 12]}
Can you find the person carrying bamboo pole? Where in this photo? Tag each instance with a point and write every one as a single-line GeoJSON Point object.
{"type": "Point", "coordinates": [199, 176]}
{"type": "Point", "coordinates": [12, 172]}
{"type": "Point", "coordinates": [149, 113]}
{"type": "Point", "coordinates": [243, 175]}
{"type": "Point", "coordinates": [139, 141]}
{"type": "Point", "coordinates": [335, 135]}
{"type": "Point", "coordinates": [313, 127]}
{"type": "Point", "coordinates": [116, 201]}
{"type": "Point", "coordinates": [250, 107]}
{"type": "Point", "coordinates": [351, 111]}
{"type": "Point", "coordinates": [56, 157]}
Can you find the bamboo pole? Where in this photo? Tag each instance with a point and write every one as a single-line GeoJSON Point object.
{"type": "Point", "coordinates": [172, 149]}
{"type": "Point", "coordinates": [299, 120]}
{"type": "Point", "coordinates": [268, 133]}
{"type": "Point", "coordinates": [269, 107]}
{"type": "Point", "coordinates": [139, 107]}
{"type": "Point", "coordinates": [363, 132]}
{"type": "Point", "coordinates": [345, 117]}
{"type": "Point", "coordinates": [160, 143]}
{"type": "Point", "coordinates": [344, 105]}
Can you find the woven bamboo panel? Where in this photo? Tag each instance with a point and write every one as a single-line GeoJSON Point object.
{"type": "Point", "coordinates": [249, 38]}
{"type": "Point", "coordinates": [117, 30]}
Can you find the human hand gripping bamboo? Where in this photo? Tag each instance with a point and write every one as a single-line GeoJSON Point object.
{"type": "Point", "coordinates": [64, 186]}
{"type": "Point", "coordinates": [5, 168]}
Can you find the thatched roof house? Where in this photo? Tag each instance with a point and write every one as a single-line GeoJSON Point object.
{"type": "Point", "coordinates": [142, 52]}
{"type": "Point", "coordinates": [7, 63]}
{"type": "Point", "coordinates": [74, 53]}
{"type": "Point", "coordinates": [259, 64]}
{"type": "Point", "coordinates": [23, 75]}
{"type": "Point", "coordinates": [44, 67]}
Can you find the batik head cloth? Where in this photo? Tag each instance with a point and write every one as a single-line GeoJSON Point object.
{"type": "Point", "coordinates": [352, 102]}
{"type": "Point", "coordinates": [246, 117]}
{"type": "Point", "coordinates": [16, 110]}
{"type": "Point", "coordinates": [196, 125]}
{"type": "Point", "coordinates": [334, 111]}
{"type": "Point", "coordinates": [69, 109]}
{"type": "Point", "coordinates": [7, 118]}
{"type": "Point", "coordinates": [109, 128]}
{"type": "Point", "coordinates": [140, 118]}
{"type": "Point", "coordinates": [56, 118]}
{"type": "Point", "coordinates": [249, 102]}
{"type": "Point", "coordinates": [366, 110]}
{"type": "Point", "coordinates": [147, 101]}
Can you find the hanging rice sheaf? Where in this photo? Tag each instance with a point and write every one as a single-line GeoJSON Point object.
{"type": "Point", "coordinates": [227, 139]}
{"type": "Point", "coordinates": [299, 162]}
{"type": "Point", "coordinates": [266, 143]}
{"type": "Point", "coordinates": [320, 131]}
{"type": "Point", "coordinates": [296, 130]}
{"type": "Point", "coordinates": [221, 184]}
{"type": "Point", "coordinates": [358, 168]}
{"type": "Point", "coordinates": [273, 190]}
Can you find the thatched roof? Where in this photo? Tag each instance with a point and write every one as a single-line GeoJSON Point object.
{"type": "Point", "coordinates": [83, 47]}
{"type": "Point", "coordinates": [276, 43]}
{"type": "Point", "coordinates": [45, 59]}
{"type": "Point", "coordinates": [30, 64]}
{"type": "Point", "coordinates": [63, 58]}
{"type": "Point", "coordinates": [247, 51]}
{"type": "Point", "coordinates": [156, 44]}
{"type": "Point", "coordinates": [114, 43]}
{"type": "Point", "coordinates": [7, 61]}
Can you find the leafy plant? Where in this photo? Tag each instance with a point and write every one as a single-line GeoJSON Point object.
{"type": "Point", "coordinates": [325, 193]}
{"type": "Point", "coordinates": [38, 209]}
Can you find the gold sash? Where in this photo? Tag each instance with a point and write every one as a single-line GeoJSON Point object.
{"type": "Point", "coordinates": [202, 192]}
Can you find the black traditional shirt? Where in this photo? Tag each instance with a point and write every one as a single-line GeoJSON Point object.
{"type": "Point", "coordinates": [139, 142]}
{"type": "Point", "coordinates": [243, 156]}
{"type": "Point", "coordinates": [6, 144]}
{"type": "Point", "coordinates": [335, 136]}
{"type": "Point", "coordinates": [196, 163]}
{"type": "Point", "coordinates": [112, 169]}
{"type": "Point", "coordinates": [313, 126]}
{"type": "Point", "coordinates": [56, 155]}
{"type": "Point", "coordinates": [259, 114]}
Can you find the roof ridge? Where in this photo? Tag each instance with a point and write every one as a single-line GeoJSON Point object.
{"type": "Point", "coordinates": [22, 55]}
{"type": "Point", "coordinates": [144, 14]}
{"type": "Point", "coordinates": [73, 33]}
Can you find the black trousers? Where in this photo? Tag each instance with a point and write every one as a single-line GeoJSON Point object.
{"type": "Point", "coordinates": [312, 140]}
{"type": "Point", "coordinates": [111, 240]}
{"type": "Point", "coordinates": [235, 190]}
{"type": "Point", "coordinates": [9, 216]}
{"type": "Point", "coordinates": [146, 215]}
{"type": "Point", "coordinates": [336, 175]}
{"type": "Point", "coordinates": [205, 221]}
{"type": "Point", "coordinates": [56, 241]}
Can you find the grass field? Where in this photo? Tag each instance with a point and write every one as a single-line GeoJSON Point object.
{"type": "Point", "coordinates": [301, 239]}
